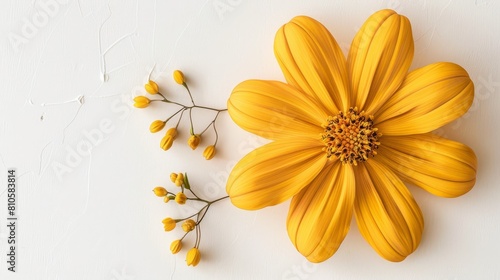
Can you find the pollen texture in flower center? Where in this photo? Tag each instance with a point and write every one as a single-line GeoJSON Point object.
{"type": "Point", "coordinates": [350, 137]}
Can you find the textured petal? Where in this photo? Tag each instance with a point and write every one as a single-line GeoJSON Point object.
{"type": "Point", "coordinates": [275, 172]}
{"type": "Point", "coordinates": [442, 167]}
{"type": "Point", "coordinates": [320, 214]}
{"type": "Point", "coordinates": [386, 213]}
{"type": "Point", "coordinates": [379, 59]}
{"type": "Point", "coordinates": [275, 110]}
{"type": "Point", "coordinates": [429, 98]}
{"type": "Point", "coordinates": [311, 60]}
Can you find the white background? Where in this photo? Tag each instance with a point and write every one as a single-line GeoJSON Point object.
{"type": "Point", "coordinates": [97, 218]}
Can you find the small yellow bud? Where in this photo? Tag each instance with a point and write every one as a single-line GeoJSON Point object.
{"type": "Point", "coordinates": [172, 132]}
{"type": "Point", "coordinates": [160, 191]}
{"type": "Point", "coordinates": [209, 152]}
{"type": "Point", "coordinates": [188, 225]}
{"type": "Point", "coordinates": [193, 257]}
{"type": "Point", "coordinates": [179, 77]}
{"type": "Point", "coordinates": [151, 87]}
{"type": "Point", "coordinates": [169, 224]}
{"type": "Point", "coordinates": [173, 176]}
{"type": "Point", "coordinates": [166, 142]}
{"type": "Point", "coordinates": [176, 246]}
{"type": "Point", "coordinates": [179, 180]}
{"type": "Point", "coordinates": [194, 141]}
{"type": "Point", "coordinates": [166, 199]}
{"type": "Point", "coordinates": [141, 101]}
{"type": "Point", "coordinates": [156, 126]}
{"type": "Point", "coordinates": [180, 198]}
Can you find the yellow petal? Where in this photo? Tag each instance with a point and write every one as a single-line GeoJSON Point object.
{"type": "Point", "coordinates": [179, 77]}
{"type": "Point", "coordinates": [386, 213]}
{"type": "Point", "coordinates": [442, 167]}
{"type": "Point", "coordinates": [275, 172]}
{"type": "Point", "coordinates": [275, 110]}
{"type": "Point", "coordinates": [312, 61]}
{"type": "Point", "coordinates": [193, 257]}
{"type": "Point", "coordinates": [379, 58]}
{"type": "Point", "coordinates": [321, 213]}
{"type": "Point", "coordinates": [429, 98]}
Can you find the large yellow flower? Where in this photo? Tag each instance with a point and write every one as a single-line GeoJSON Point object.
{"type": "Point", "coordinates": [347, 133]}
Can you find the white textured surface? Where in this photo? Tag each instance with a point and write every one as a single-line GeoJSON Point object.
{"type": "Point", "coordinates": [99, 220]}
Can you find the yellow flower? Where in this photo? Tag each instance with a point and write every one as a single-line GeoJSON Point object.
{"type": "Point", "coordinates": [166, 199]}
{"type": "Point", "coordinates": [141, 101]}
{"type": "Point", "coordinates": [156, 126]}
{"type": "Point", "coordinates": [160, 191]}
{"type": "Point", "coordinates": [193, 257]}
{"type": "Point", "coordinates": [179, 179]}
{"type": "Point", "coordinates": [180, 198]}
{"type": "Point", "coordinates": [194, 141]}
{"type": "Point", "coordinates": [176, 246]}
{"type": "Point", "coordinates": [173, 177]}
{"type": "Point", "coordinates": [188, 225]}
{"type": "Point", "coordinates": [169, 224]}
{"type": "Point", "coordinates": [151, 87]}
{"type": "Point", "coordinates": [209, 152]}
{"type": "Point", "coordinates": [179, 77]}
{"type": "Point", "coordinates": [166, 142]}
{"type": "Point", "coordinates": [172, 132]}
{"type": "Point", "coordinates": [351, 169]}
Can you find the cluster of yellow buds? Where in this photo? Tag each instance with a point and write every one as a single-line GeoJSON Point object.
{"type": "Point", "coordinates": [158, 125]}
{"type": "Point", "coordinates": [190, 223]}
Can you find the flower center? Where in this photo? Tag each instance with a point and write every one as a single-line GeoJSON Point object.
{"type": "Point", "coordinates": [350, 137]}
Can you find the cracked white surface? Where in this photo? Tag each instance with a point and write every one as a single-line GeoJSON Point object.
{"type": "Point", "coordinates": [87, 162]}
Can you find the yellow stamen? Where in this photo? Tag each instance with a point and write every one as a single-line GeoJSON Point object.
{"type": "Point", "coordinates": [350, 137]}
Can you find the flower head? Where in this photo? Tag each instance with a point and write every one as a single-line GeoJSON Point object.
{"type": "Point", "coordinates": [156, 126]}
{"type": "Point", "coordinates": [169, 224]}
{"type": "Point", "coordinates": [179, 179]}
{"type": "Point", "coordinates": [193, 257]}
{"type": "Point", "coordinates": [179, 77]}
{"type": "Point", "coordinates": [194, 141]}
{"type": "Point", "coordinates": [151, 87]}
{"type": "Point", "coordinates": [180, 198]}
{"type": "Point", "coordinates": [160, 191]}
{"type": "Point", "coordinates": [172, 132]}
{"type": "Point", "coordinates": [209, 152]}
{"type": "Point", "coordinates": [173, 177]}
{"type": "Point", "coordinates": [141, 101]}
{"type": "Point", "coordinates": [176, 246]}
{"type": "Point", "coordinates": [166, 142]}
{"type": "Point", "coordinates": [188, 225]}
{"type": "Point", "coordinates": [373, 118]}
